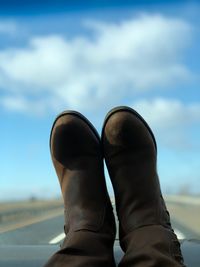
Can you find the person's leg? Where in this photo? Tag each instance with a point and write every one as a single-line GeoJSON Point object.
{"type": "Point", "coordinates": [145, 231]}
{"type": "Point", "coordinates": [89, 220]}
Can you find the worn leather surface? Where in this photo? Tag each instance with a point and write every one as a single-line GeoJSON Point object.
{"type": "Point", "coordinates": [89, 220]}
{"type": "Point", "coordinates": [145, 231]}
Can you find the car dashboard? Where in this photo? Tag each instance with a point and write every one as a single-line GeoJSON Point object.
{"type": "Point", "coordinates": [36, 256]}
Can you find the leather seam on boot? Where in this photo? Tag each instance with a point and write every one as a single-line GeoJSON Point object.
{"type": "Point", "coordinates": [175, 250]}
{"type": "Point", "coordinates": [92, 228]}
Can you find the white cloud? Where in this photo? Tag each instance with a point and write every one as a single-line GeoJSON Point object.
{"type": "Point", "coordinates": [171, 119]}
{"type": "Point", "coordinates": [24, 105]}
{"type": "Point", "coordinates": [15, 103]}
{"type": "Point", "coordinates": [168, 113]}
{"type": "Point", "coordinates": [120, 61]}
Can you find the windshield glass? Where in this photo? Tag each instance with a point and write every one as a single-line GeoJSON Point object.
{"type": "Point", "coordinates": [90, 58]}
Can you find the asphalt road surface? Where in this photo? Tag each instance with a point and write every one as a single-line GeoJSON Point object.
{"type": "Point", "coordinates": [50, 231]}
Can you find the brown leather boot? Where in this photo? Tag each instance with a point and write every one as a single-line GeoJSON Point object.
{"type": "Point", "coordinates": [145, 231]}
{"type": "Point", "coordinates": [89, 220]}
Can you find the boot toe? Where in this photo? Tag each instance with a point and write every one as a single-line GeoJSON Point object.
{"type": "Point", "coordinates": [72, 137]}
{"type": "Point", "coordinates": [125, 128]}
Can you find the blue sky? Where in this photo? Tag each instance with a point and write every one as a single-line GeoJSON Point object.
{"type": "Point", "coordinates": [91, 59]}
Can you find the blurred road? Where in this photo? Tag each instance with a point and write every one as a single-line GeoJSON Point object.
{"type": "Point", "coordinates": [49, 230]}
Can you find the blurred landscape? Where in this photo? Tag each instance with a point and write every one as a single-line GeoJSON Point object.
{"type": "Point", "coordinates": [184, 211]}
{"type": "Point", "coordinates": [19, 214]}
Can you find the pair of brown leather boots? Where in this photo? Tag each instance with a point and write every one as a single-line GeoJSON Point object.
{"type": "Point", "coordinates": [129, 148]}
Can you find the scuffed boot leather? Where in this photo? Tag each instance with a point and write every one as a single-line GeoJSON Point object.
{"type": "Point", "coordinates": [89, 220]}
{"type": "Point", "coordinates": [145, 231]}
